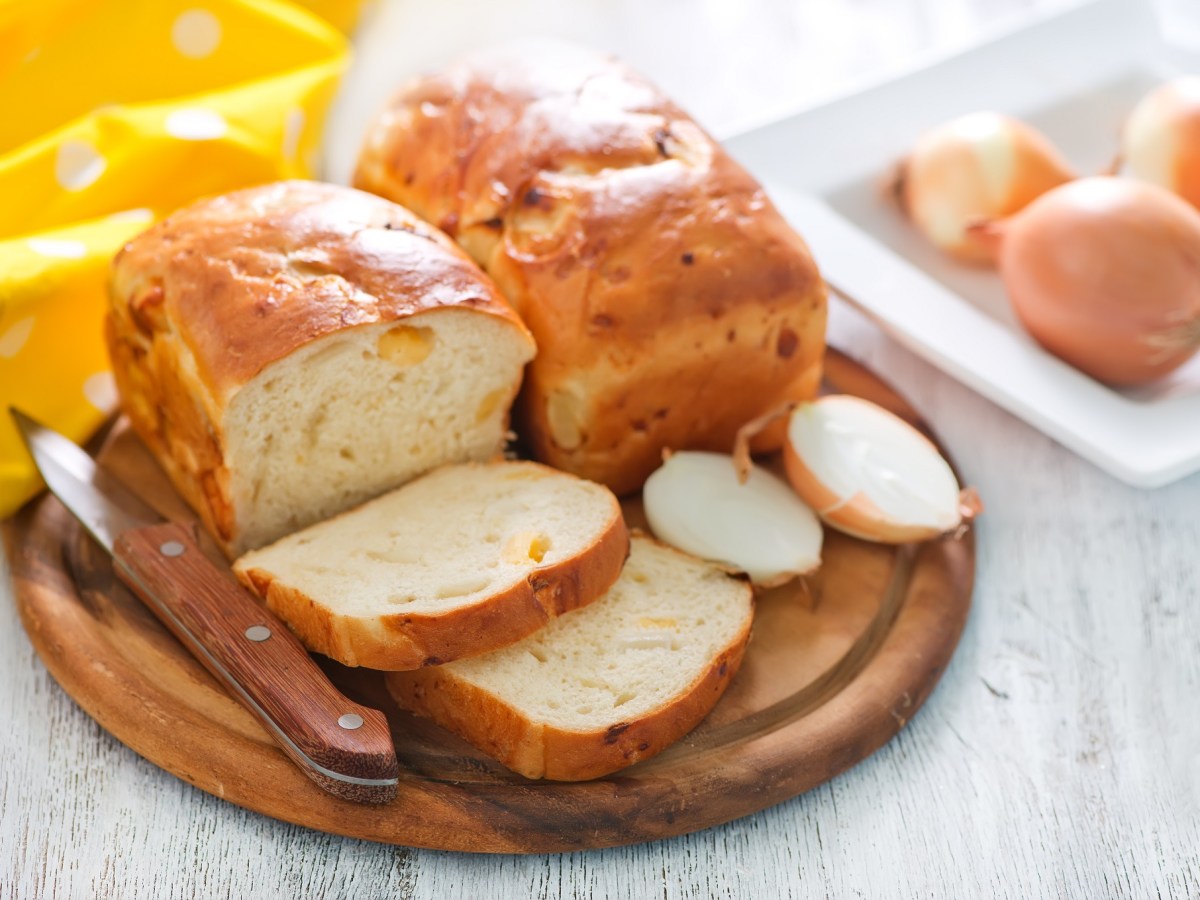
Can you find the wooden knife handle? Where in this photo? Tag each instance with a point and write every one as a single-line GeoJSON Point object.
{"type": "Point", "coordinates": [344, 747]}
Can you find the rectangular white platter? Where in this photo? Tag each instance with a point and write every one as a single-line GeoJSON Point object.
{"type": "Point", "coordinates": [1075, 76]}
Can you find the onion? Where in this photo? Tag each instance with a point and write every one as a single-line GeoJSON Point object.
{"type": "Point", "coordinates": [869, 473]}
{"type": "Point", "coordinates": [1160, 142]}
{"type": "Point", "coordinates": [1105, 274]}
{"type": "Point", "coordinates": [696, 503]}
{"type": "Point", "coordinates": [981, 166]}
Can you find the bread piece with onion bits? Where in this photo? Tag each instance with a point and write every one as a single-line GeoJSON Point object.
{"type": "Point", "coordinates": [602, 687]}
{"type": "Point", "coordinates": [465, 559]}
{"type": "Point", "coordinates": [696, 501]}
{"type": "Point", "coordinates": [870, 474]}
{"type": "Point", "coordinates": [291, 350]}
{"type": "Point", "coordinates": [670, 299]}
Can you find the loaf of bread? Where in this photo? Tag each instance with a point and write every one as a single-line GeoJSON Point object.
{"type": "Point", "coordinates": [461, 561]}
{"type": "Point", "coordinates": [291, 350]}
{"type": "Point", "coordinates": [670, 301]}
{"type": "Point", "coordinates": [602, 687]}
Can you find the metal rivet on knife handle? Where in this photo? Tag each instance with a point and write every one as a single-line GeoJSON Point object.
{"type": "Point", "coordinates": [258, 632]}
{"type": "Point", "coordinates": [171, 548]}
{"type": "Point", "coordinates": [350, 721]}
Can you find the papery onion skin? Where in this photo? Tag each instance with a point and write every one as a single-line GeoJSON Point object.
{"type": "Point", "coordinates": [857, 515]}
{"type": "Point", "coordinates": [980, 166]}
{"type": "Point", "coordinates": [1105, 274]}
{"type": "Point", "coordinates": [1160, 141]}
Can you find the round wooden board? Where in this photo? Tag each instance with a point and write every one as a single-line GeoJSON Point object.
{"type": "Point", "coordinates": [829, 676]}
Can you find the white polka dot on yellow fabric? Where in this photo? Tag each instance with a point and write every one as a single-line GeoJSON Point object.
{"type": "Point", "coordinates": [57, 249]}
{"type": "Point", "coordinates": [13, 338]}
{"type": "Point", "coordinates": [77, 165]}
{"type": "Point", "coordinates": [101, 391]}
{"type": "Point", "coordinates": [141, 215]}
{"type": "Point", "coordinates": [196, 124]}
{"type": "Point", "coordinates": [293, 128]}
{"type": "Point", "coordinates": [196, 33]}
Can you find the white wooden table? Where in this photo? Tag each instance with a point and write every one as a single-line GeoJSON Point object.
{"type": "Point", "coordinates": [1058, 757]}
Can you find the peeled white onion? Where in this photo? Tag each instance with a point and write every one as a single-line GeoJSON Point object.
{"type": "Point", "coordinates": [696, 503]}
{"type": "Point", "coordinates": [869, 473]}
{"type": "Point", "coordinates": [1160, 142]}
{"type": "Point", "coordinates": [980, 166]}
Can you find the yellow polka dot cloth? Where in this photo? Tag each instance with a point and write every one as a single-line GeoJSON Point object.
{"type": "Point", "coordinates": [115, 113]}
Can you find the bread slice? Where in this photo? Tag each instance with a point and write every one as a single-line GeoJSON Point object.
{"type": "Point", "coordinates": [292, 350]}
{"type": "Point", "coordinates": [465, 559]}
{"type": "Point", "coordinates": [603, 687]}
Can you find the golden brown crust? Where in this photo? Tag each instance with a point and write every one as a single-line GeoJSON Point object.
{"type": "Point", "coordinates": [537, 750]}
{"type": "Point", "coordinates": [206, 299]}
{"type": "Point", "coordinates": [670, 300]}
{"type": "Point", "coordinates": [409, 641]}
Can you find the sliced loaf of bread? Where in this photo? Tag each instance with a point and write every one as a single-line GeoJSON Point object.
{"type": "Point", "coordinates": [605, 686]}
{"type": "Point", "coordinates": [291, 350]}
{"type": "Point", "coordinates": [465, 559]}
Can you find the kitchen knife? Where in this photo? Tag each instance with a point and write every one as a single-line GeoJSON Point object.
{"type": "Point", "coordinates": [342, 746]}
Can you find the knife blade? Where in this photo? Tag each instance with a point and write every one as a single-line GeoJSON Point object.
{"type": "Point", "coordinates": [344, 747]}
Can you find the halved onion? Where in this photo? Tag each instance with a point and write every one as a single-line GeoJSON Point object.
{"type": "Point", "coordinates": [869, 473]}
{"type": "Point", "coordinates": [696, 503]}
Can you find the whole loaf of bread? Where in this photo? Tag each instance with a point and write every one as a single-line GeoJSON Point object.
{"type": "Point", "coordinates": [669, 299]}
{"type": "Point", "coordinates": [291, 350]}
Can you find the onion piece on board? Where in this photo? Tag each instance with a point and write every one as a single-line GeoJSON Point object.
{"type": "Point", "coordinates": [870, 474]}
{"type": "Point", "coordinates": [695, 502]}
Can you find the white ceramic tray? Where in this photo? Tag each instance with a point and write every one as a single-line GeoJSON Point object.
{"type": "Point", "coordinates": [1074, 75]}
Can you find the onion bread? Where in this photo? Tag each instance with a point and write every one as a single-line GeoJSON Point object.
{"type": "Point", "coordinates": [602, 687]}
{"type": "Point", "coordinates": [670, 300]}
{"type": "Point", "coordinates": [288, 351]}
{"type": "Point", "coordinates": [463, 560]}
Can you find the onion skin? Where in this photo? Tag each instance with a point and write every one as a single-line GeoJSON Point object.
{"type": "Point", "coordinates": [1105, 274]}
{"type": "Point", "coordinates": [981, 166]}
{"type": "Point", "coordinates": [1160, 142]}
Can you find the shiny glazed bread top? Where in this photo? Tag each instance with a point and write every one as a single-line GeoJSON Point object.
{"type": "Point", "coordinates": [670, 300]}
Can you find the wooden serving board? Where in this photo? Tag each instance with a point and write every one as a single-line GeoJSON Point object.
{"type": "Point", "coordinates": [830, 675]}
